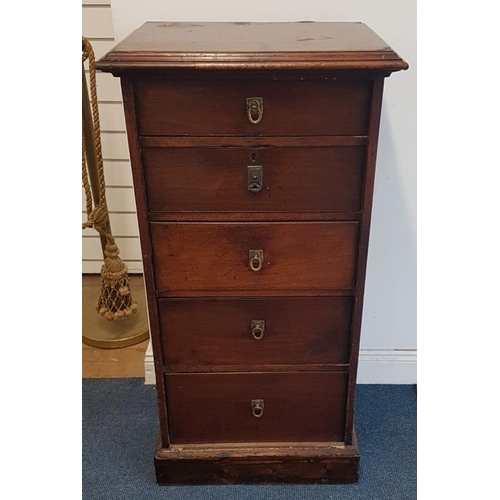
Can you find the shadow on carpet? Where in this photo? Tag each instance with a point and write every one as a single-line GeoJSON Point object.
{"type": "Point", "coordinates": [120, 429]}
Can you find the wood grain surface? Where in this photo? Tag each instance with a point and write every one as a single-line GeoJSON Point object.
{"type": "Point", "coordinates": [295, 179]}
{"type": "Point", "coordinates": [215, 256]}
{"type": "Point", "coordinates": [201, 335]}
{"type": "Point", "coordinates": [216, 408]}
{"type": "Point", "coordinates": [208, 45]}
{"type": "Point", "coordinates": [249, 463]}
{"type": "Point", "coordinates": [190, 107]}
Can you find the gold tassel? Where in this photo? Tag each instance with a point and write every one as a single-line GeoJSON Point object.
{"type": "Point", "coordinates": [115, 299]}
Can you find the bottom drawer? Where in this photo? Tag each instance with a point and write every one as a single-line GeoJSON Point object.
{"type": "Point", "coordinates": [256, 407]}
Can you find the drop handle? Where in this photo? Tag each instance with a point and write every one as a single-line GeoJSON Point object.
{"type": "Point", "coordinates": [258, 327]}
{"type": "Point", "coordinates": [255, 109]}
{"type": "Point", "coordinates": [256, 259]}
{"type": "Point", "coordinates": [257, 408]}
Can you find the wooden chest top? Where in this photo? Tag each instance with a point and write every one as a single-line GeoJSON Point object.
{"type": "Point", "coordinates": [305, 44]}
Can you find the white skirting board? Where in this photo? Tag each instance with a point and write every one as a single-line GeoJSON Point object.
{"type": "Point", "coordinates": [376, 366]}
{"type": "Point", "coordinates": [387, 366]}
{"type": "Point", "coordinates": [149, 367]}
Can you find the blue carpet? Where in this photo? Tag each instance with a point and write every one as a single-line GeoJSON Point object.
{"type": "Point", "coordinates": [120, 429]}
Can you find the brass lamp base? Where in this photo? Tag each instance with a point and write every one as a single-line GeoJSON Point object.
{"type": "Point", "coordinates": [97, 331]}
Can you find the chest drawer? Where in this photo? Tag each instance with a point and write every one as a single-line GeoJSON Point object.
{"type": "Point", "coordinates": [292, 179]}
{"type": "Point", "coordinates": [235, 334]}
{"type": "Point", "coordinates": [250, 257]}
{"type": "Point", "coordinates": [224, 407]}
{"type": "Point", "coordinates": [323, 107]}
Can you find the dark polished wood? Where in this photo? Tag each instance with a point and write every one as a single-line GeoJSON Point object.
{"type": "Point", "coordinates": [216, 408]}
{"type": "Point", "coordinates": [296, 108]}
{"type": "Point", "coordinates": [252, 216]}
{"type": "Point", "coordinates": [231, 343]}
{"type": "Point", "coordinates": [216, 334]}
{"type": "Point", "coordinates": [252, 142]}
{"type": "Point", "coordinates": [363, 250]}
{"type": "Point", "coordinates": [232, 46]}
{"type": "Point", "coordinates": [296, 292]}
{"type": "Point", "coordinates": [249, 463]}
{"type": "Point", "coordinates": [147, 255]}
{"type": "Point", "coordinates": [215, 256]}
{"type": "Point", "coordinates": [305, 179]}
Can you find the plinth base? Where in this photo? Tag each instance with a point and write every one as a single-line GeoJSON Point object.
{"type": "Point", "coordinates": [287, 463]}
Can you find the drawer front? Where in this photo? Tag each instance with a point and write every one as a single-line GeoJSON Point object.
{"type": "Point", "coordinates": [236, 334]}
{"type": "Point", "coordinates": [293, 179]}
{"type": "Point", "coordinates": [324, 107]}
{"type": "Point", "coordinates": [248, 257]}
{"type": "Point", "coordinates": [219, 408]}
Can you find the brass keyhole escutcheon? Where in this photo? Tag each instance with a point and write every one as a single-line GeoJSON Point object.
{"type": "Point", "coordinates": [256, 259]}
{"type": "Point", "coordinates": [254, 178]}
{"type": "Point", "coordinates": [258, 327]}
{"type": "Point", "coordinates": [257, 408]}
{"type": "Point", "coordinates": [255, 109]}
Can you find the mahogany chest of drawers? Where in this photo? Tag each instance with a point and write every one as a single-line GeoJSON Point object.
{"type": "Point", "coordinates": [253, 151]}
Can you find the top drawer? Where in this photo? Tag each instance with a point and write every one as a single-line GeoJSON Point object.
{"type": "Point", "coordinates": [288, 108]}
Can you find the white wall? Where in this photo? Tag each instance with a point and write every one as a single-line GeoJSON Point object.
{"type": "Point", "coordinates": [389, 320]}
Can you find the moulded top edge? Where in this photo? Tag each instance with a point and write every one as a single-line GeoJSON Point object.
{"type": "Point", "coordinates": [300, 45]}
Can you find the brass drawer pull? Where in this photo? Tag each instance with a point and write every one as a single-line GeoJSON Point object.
{"type": "Point", "coordinates": [258, 327]}
{"type": "Point", "coordinates": [256, 259]}
{"type": "Point", "coordinates": [255, 109]}
{"type": "Point", "coordinates": [257, 407]}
